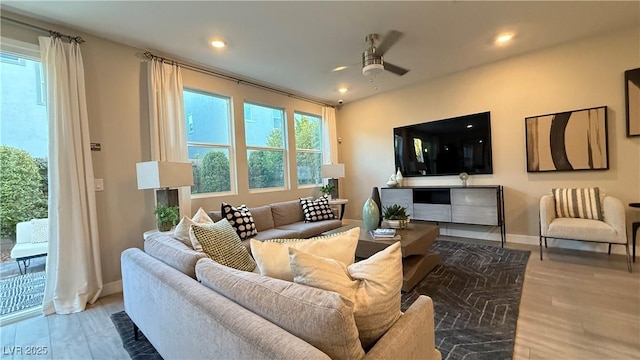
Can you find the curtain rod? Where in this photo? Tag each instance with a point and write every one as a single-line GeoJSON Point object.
{"type": "Point", "coordinates": [151, 56]}
{"type": "Point", "coordinates": [77, 39]}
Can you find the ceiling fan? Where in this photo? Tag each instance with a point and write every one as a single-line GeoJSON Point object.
{"type": "Point", "coordinates": [372, 62]}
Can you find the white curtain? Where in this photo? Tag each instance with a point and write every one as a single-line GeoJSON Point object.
{"type": "Point", "coordinates": [74, 276]}
{"type": "Point", "coordinates": [329, 136]}
{"type": "Point", "coordinates": [166, 113]}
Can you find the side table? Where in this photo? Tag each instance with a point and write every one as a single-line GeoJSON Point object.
{"type": "Point", "coordinates": [634, 230]}
{"type": "Point", "coordinates": [342, 203]}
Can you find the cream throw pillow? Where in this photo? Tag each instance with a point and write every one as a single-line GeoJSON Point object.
{"type": "Point", "coordinates": [273, 257]}
{"type": "Point", "coordinates": [373, 285]}
{"type": "Point", "coordinates": [182, 229]}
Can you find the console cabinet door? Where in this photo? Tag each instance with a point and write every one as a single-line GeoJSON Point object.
{"type": "Point", "coordinates": [402, 197]}
{"type": "Point", "coordinates": [432, 212]}
{"type": "Point", "coordinates": [474, 206]}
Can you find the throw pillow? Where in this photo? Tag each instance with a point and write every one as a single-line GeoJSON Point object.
{"type": "Point", "coordinates": [241, 220]}
{"type": "Point", "coordinates": [184, 226]}
{"type": "Point", "coordinates": [222, 244]}
{"type": "Point", "coordinates": [578, 203]}
{"type": "Point", "coordinates": [39, 231]}
{"type": "Point", "coordinates": [372, 284]}
{"type": "Point", "coordinates": [316, 210]}
{"type": "Point", "coordinates": [272, 256]}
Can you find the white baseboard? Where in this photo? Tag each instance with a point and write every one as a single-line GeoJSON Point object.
{"type": "Point", "coordinates": [111, 288]}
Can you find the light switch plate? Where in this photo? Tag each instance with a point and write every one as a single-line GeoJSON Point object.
{"type": "Point", "coordinates": [99, 184]}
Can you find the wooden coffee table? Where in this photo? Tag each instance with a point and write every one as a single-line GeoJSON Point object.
{"type": "Point", "coordinates": [417, 260]}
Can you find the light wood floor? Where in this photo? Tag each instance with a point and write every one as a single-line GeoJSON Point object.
{"type": "Point", "coordinates": [575, 306]}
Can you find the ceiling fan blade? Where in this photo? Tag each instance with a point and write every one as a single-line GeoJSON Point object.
{"type": "Point", "coordinates": [395, 69]}
{"type": "Point", "coordinates": [389, 39]}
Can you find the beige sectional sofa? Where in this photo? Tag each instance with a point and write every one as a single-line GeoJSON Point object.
{"type": "Point", "coordinates": [189, 306]}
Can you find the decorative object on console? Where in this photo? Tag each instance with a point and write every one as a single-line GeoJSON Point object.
{"type": "Point", "coordinates": [375, 195]}
{"type": "Point", "coordinates": [166, 216]}
{"type": "Point", "coordinates": [464, 176]}
{"type": "Point", "coordinates": [164, 175]}
{"type": "Point", "coordinates": [370, 214]}
{"type": "Point", "coordinates": [316, 210]}
{"type": "Point", "coordinates": [632, 101]}
{"type": "Point", "coordinates": [396, 216]}
{"type": "Point", "coordinates": [241, 220]}
{"type": "Point", "coordinates": [567, 141]}
{"type": "Point", "coordinates": [333, 172]}
{"type": "Point", "coordinates": [399, 178]}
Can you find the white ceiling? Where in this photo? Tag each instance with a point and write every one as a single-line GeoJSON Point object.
{"type": "Point", "coordinates": [294, 45]}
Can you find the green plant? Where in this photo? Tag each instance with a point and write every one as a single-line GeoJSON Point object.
{"type": "Point", "coordinates": [327, 189]}
{"type": "Point", "coordinates": [166, 216]}
{"type": "Point", "coordinates": [395, 212]}
{"type": "Point", "coordinates": [21, 190]}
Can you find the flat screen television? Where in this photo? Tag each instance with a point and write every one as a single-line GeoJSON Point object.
{"type": "Point", "coordinates": [445, 147]}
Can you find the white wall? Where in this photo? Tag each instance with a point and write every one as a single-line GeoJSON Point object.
{"type": "Point", "coordinates": [578, 75]}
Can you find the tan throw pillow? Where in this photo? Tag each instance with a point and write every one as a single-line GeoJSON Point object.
{"type": "Point", "coordinates": [272, 257]}
{"type": "Point", "coordinates": [372, 284]}
{"type": "Point", "coordinates": [222, 244]}
{"type": "Point", "coordinates": [578, 203]}
{"type": "Point", "coordinates": [184, 226]}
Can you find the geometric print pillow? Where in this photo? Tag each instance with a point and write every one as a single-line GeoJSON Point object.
{"type": "Point", "coordinates": [221, 243]}
{"type": "Point", "coordinates": [241, 220]}
{"type": "Point", "coordinates": [316, 210]}
{"type": "Point", "coordinates": [578, 203]}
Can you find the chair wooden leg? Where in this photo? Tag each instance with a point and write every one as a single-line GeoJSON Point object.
{"type": "Point", "coordinates": [545, 243]}
{"type": "Point", "coordinates": [609, 249]}
{"type": "Point", "coordinates": [545, 240]}
{"type": "Point", "coordinates": [626, 246]}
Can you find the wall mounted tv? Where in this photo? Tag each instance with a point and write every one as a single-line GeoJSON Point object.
{"type": "Point", "coordinates": [445, 147]}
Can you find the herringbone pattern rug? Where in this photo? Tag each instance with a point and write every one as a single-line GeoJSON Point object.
{"type": "Point", "coordinates": [476, 294]}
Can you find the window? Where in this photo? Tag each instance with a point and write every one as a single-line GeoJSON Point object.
{"type": "Point", "coordinates": [266, 147]}
{"type": "Point", "coordinates": [209, 144]}
{"type": "Point", "coordinates": [308, 131]}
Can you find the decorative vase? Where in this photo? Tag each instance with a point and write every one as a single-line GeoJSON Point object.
{"type": "Point", "coordinates": [375, 195]}
{"type": "Point", "coordinates": [370, 214]}
{"type": "Point", "coordinates": [399, 177]}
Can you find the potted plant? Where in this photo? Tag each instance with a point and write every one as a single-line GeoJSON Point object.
{"type": "Point", "coordinates": [396, 216]}
{"type": "Point", "coordinates": [327, 190]}
{"type": "Point", "coordinates": [166, 216]}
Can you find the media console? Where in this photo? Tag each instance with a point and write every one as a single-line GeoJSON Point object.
{"type": "Point", "coordinates": [476, 205]}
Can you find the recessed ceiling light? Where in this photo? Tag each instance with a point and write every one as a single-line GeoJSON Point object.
{"type": "Point", "coordinates": [343, 90]}
{"type": "Point", "coordinates": [504, 38]}
{"type": "Point", "coordinates": [469, 126]}
{"type": "Point", "coordinates": [339, 68]}
{"type": "Point", "coordinates": [218, 44]}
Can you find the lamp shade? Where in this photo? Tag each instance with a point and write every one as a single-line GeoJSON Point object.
{"type": "Point", "coordinates": [164, 174]}
{"type": "Point", "coordinates": [332, 171]}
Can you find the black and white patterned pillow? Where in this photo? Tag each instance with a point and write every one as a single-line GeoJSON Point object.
{"type": "Point", "coordinates": [316, 210]}
{"type": "Point", "coordinates": [241, 220]}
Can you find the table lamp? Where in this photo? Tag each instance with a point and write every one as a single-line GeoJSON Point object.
{"type": "Point", "coordinates": [333, 172]}
{"type": "Point", "coordinates": [164, 176]}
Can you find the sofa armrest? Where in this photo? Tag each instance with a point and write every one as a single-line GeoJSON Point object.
{"type": "Point", "coordinates": [614, 215]}
{"type": "Point", "coordinates": [173, 253]}
{"type": "Point", "coordinates": [547, 213]}
{"type": "Point", "coordinates": [411, 337]}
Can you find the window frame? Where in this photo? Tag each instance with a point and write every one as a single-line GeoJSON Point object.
{"type": "Point", "coordinates": [284, 149]}
{"type": "Point", "coordinates": [233, 175]}
{"type": "Point", "coordinates": [309, 151]}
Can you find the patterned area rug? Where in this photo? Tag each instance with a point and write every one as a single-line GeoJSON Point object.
{"type": "Point", "coordinates": [140, 349]}
{"type": "Point", "coordinates": [21, 292]}
{"type": "Point", "coordinates": [476, 294]}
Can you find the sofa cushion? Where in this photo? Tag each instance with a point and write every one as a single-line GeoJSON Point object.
{"type": "Point", "coordinates": [307, 230]}
{"type": "Point", "coordinates": [584, 229]}
{"type": "Point", "coordinates": [241, 219]}
{"type": "Point", "coordinates": [272, 256]}
{"type": "Point", "coordinates": [372, 284]}
{"type": "Point", "coordinates": [278, 233]}
{"type": "Point", "coordinates": [262, 217]}
{"type": "Point", "coordinates": [221, 242]}
{"type": "Point", "coordinates": [578, 203]}
{"type": "Point", "coordinates": [173, 252]}
{"type": "Point", "coordinates": [182, 229]}
{"type": "Point", "coordinates": [316, 210]}
{"type": "Point", "coordinates": [39, 231]}
{"type": "Point", "coordinates": [286, 212]}
{"type": "Point", "coordinates": [321, 318]}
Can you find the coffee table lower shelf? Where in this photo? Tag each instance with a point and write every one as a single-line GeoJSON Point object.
{"type": "Point", "coordinates": [416, 267]}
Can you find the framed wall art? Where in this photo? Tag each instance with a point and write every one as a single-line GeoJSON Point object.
{"type": "Point", "coordinates": [632, 97]}
{"type": "Point", "coordinates": [568, 141]}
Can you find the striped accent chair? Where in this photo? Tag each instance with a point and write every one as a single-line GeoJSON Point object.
{"type": "Point", "coordinates": [583, 214]}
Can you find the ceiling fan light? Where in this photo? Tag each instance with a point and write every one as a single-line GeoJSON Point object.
{"type": "Point", "coordinates": [372, 69]}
